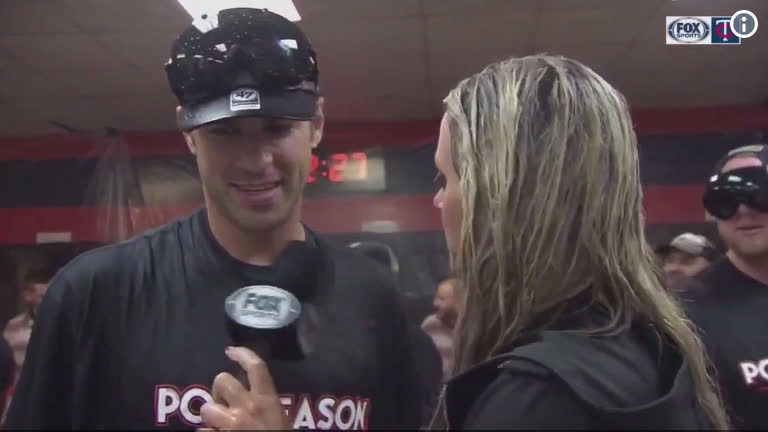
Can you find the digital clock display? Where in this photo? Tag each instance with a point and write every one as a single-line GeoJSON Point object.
{"type": "Point", "coordinates": [347, 171]}
{"type": "Point", "coordinates": [340, 167]}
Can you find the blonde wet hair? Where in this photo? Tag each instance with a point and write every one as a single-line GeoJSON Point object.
{"type": "Point", "coordinates": [551, 202]}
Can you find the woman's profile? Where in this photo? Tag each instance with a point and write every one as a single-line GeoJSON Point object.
{"type": "Point", "coordinates": [564, 321]}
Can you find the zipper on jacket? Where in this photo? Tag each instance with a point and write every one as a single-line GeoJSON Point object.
{"type": "Point", "coordinates": [441, 413]}
{"type": "Point", "coordinates": [444, 408]}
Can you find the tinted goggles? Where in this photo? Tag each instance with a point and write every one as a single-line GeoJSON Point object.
{"type": "Point", "coordinates": [726, 191]}
{"type": "Point", "coordinates": [212, 65]}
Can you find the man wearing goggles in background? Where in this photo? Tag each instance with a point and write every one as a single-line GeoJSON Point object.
{"type": "Point", "coordinates": [132, 335]}
{"type": "Point", "coordinates": [728, 301]}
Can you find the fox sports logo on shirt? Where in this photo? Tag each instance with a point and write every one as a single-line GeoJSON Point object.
{"type": "Point", "coordinates": [687, 30]}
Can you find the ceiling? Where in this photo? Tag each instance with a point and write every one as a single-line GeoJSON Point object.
{"type": "Point", "coordinates": [90, 64]}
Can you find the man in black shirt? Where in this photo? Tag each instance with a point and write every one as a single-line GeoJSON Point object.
{"type": "Point", "coordinates": [728, 300]}
{"type": "Point", "coordinates": [132, 335]}
{"type": "Point", "coordinates": [424, 349]}
{"type": "Point", "coordinates": [7, 375]}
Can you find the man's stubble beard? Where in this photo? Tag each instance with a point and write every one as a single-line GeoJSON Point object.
{"type": "Point", "coordinates": [448, 318]}
{"type": "Point", "coordinates": [253, 221]}
{"type": "Point", "coordinates": [749, 251]}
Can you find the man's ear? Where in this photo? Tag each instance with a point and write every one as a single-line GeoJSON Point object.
{"type": "Point", "coordinates": [191, 145]}
{"type": "Point", "coordinates": [187, 136]}
{"type": "Point", "coordinates": [318, 123]}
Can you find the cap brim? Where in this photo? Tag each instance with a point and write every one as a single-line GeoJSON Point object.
{"type": "Point", "coordinates": [707, 253]}
{"type": "Point", "coordinates": [291, 104]}
{"type": "Point", "coordinates": [668, 248]}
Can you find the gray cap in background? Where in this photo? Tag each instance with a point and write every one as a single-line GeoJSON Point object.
{"type": "Point", "coordinates": [693, 244]}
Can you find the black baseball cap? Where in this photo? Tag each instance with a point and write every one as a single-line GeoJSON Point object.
{"type": "Point", "coordinates": [379, 252]}
{"type": "Point", "coordinates": [759, 151]}
{"type": "Point", "coordinates": [243, 62]}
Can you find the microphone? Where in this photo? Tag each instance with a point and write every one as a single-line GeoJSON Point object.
{"type": "Point", "coordinates": [274, 317]}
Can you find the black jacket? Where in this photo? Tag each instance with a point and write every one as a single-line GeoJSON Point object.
{"type": "Point", "coordinates": [565, 380]}
{"type": "Point", "coordinates": [131, 336]}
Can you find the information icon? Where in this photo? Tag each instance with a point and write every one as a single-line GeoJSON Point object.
{"type": "Point", "coordinates": [744, 24]}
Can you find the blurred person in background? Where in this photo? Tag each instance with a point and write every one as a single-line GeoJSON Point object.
{"type": "Point", "coordinates": [564, 322]}
{"type": "Point", "coordinates": [17, 331]}
{"type": "Point", "coordinates": [684, 256]}
{"type": "Point", "coordinates": [19, 328]}
{"type": "Point", "coordinates": [439, 325]}
{"type": "Point", "coordinates": [729, 299]}
{"type": "Point", "coordinates": [7, 377]}
{"type": "Point", "coordinates": [425, 351]}
{"type": "Point", "coordinates": [378, 252]}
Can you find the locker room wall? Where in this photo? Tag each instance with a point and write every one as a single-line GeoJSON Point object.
{"type": "Point", "coordinates": [95, 190]}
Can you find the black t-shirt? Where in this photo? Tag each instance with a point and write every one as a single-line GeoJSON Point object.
{"type": "Point", "coordinates": [132, 335]}
{"type": "Point", "coordinates": [7, 372]}
{"type": "Point", "coordinates": [731, 310]}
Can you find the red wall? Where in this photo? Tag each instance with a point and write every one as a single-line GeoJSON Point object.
{"type": "Point", "coordinates": [361, 135]}
{"type": "Point", "coordinates": [665, 204]}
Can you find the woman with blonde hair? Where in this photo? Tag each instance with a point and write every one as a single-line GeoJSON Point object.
{"type": "Point", "coordinates": [564, 322]}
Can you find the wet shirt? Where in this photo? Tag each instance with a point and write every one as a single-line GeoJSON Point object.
{"type": "Point", "coordinates": [132, 335]}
